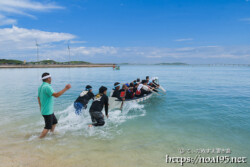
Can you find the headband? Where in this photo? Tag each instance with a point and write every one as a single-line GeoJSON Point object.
{"type": "Point", "coordinates": [45, 77]}
{"type": "Point", "coordinates": [117, 85]}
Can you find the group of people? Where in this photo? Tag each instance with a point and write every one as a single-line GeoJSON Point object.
{"type": "Point", "coordinates": [46, 103]}
{"type": "Point", "coordinates": [99, 101]}
{"type": "Point", "coordinates": [136, 88]}
{"type": "Point", "coordinates": [46, 93]}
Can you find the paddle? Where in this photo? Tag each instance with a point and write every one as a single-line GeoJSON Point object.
{"type": "Point", "coordinates": [154, 92]}
{"type": "Point", "coordinates": [159, 88]}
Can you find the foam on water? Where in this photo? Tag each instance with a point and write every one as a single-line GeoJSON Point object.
{"type": "Point", "coordinates": [71, 124]}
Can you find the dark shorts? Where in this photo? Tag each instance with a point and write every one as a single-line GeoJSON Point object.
{"type": "Point", "coordinates": [78, 107]}
{"type": "Point", "coordinates": [97, 118]}
{"type": "Point", "coordinates": [49, 121]}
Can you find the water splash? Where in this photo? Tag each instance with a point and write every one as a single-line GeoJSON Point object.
{"type": "Point", "coordinates": [70, 123]}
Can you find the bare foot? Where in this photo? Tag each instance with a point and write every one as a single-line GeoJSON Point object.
{"type": "Point", "coordinates": [90, 125]}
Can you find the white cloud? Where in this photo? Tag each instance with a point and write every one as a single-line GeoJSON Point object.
{"type": "Point", "coordinates": [22, 39]}
{"type": "Point", "coordinates": [187, 54]}
{"type": "Point", "coordinates": [90, 51]}
{"type": "Point", "coordinates": [75, 42]}
{"type": "Point", "coordinates": [184, 39]}
{"type": "Point", "coordinates": [19, 43]}
{"type": "Point", "coordinates": [22, 7]}
{"type": "Point", "coordinates": [6, 21]}
{"type": "Point", "coordinates": [154, 56]}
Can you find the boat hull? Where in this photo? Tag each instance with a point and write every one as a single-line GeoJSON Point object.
{"type": "Point", "coordinates": [115, 103]}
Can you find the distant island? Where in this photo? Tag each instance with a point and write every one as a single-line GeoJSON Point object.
{"type": "Point", "coordinates": [185, 64]}
{"type": "Point", "coordinates": [18, 62]}
{"type": "Point", "coordinates": [8, 63]}
{"type": "Point", "coordinates": [176, 63]}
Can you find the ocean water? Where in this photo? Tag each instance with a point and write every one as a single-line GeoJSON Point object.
{"type": "Point", "coordinates": [204, 108]}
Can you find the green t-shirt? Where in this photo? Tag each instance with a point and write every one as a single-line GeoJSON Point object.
{"type": "Point", "coordinates": [45, 92]}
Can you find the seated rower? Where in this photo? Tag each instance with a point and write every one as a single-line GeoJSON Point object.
{"type": "Point", "coordinates": [126, 93]}
{"type": "Point", "coordinates": [155, 85]}
{"type": "Point", "coordinates": [143, 89]}
{"type": "Point", "coordinates": [83, 99]}
{"type": "Point", "coordinates": [123, 91]}
{"type": "Point", "coordinates": [138, 80]}
{"type": "Point", "coordinates": [147, 78]}
{"type": "Point", "coordinates": [149, 83]}
{"type": "Point", "coordinates": [117, 91]}
{"type": "Point", "coordinates": [131, 90]}
{"type": "Point", "coordinates": [135, 87]}
{"type": "Point", "coordinates": [131, 86]}
{"type": "Point", "coordinates": [134, 82]}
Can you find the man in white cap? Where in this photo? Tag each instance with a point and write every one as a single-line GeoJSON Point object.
{"type": "Point", "coordinates": [46, 102]}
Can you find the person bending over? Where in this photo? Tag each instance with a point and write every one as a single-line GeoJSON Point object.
{"type": "Point", "coordinates": [83, 99]}
{"type": "Point", "coordinates": [95, 110]}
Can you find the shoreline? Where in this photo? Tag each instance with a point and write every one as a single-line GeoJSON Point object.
{"type": "Point", "coordinates": [56, 66]}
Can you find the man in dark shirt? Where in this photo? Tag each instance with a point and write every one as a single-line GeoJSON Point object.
{"type": "Point", "coordinates": [95, 110]}
{"type": "Point", "coordinates": [145, 89]}
{"type": "Point", "coordinates": [117, 91]}
{"type": "Point", "coordinates": [83, 99]}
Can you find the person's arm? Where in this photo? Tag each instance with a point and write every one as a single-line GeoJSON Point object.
{"type": "Point", "coordinates": [146, 88]}
{"type": "Point", "coordinates": [58, 94]}
{"type": "Point", "coordinates": [39, 102]}
{"type": "Point", "coordinates": [106, 106]}
{"type": "Point", "coordinates": [92, 95]}
{"type": "Point", "coordinates": [157, 85]}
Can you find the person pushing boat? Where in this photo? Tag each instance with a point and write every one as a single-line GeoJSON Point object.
{"type": "Point", "coordinates": [46, 102]}
{"type": "Point", "coordinates": [95, 110]}
{"type": "Point", "coordinates": [83, 99]}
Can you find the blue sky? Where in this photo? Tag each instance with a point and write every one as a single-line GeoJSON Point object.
{"type": "Point", "coordinates": [136, 31]}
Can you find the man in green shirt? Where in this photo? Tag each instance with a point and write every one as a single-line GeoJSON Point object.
{"type": "Point", "coordinates": [46, 102]}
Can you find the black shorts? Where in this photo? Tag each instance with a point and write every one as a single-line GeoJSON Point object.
{"type": "Point", "coordinates": [49, 121]}
{"type": "Point", "coordinates": [97, 118]}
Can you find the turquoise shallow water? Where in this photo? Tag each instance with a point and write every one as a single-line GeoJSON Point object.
{"type": "Point", "coordinates": [205, 107]}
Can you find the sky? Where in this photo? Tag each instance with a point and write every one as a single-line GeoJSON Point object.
{"type": "Point", "coordinates": [126, 31]}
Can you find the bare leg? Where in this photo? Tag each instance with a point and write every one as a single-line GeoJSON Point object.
{"type": "Point", "coordinates": [53, 128]}
{"type": "Point", "coordinates": [44, 133]}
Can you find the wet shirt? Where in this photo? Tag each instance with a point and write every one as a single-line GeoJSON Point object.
{"type": "Point", "coordinates": [85, 99]}
{"type": "Point", "coordinates": [99, 102]}
{"type": "Point", "coordinates": [117, 93]}
{"type": "Point", "coordinates": [45, 92]}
